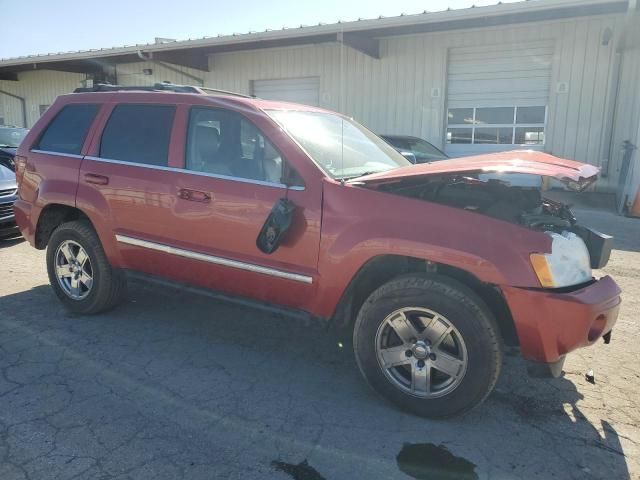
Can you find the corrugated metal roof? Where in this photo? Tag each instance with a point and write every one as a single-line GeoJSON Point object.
{"type": "Point", "coordinates": [360, 25]}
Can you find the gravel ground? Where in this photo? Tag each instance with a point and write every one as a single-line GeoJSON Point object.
{"type": "Point", "coordinates": [172, 385]}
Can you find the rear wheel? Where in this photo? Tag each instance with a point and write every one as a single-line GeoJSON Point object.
{"type": "Point", "coordinates": [428, 344]}
{"type": "Point", "coordinates": [79, 271]}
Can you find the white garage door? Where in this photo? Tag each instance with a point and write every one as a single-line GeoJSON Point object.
{"type": "Point", "coordinates": [497, 97]}
{"type": "Point", "coordinates": [304, 90]}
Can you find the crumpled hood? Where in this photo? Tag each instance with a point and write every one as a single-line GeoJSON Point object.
{"type": "Point", "coordinates": [575, 175]}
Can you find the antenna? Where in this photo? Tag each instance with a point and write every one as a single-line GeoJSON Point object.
{"type": "Point", "coordinates": [342, 102]}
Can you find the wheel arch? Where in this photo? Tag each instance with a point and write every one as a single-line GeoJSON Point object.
{"type": "Point", "coordinates": [383, 268]}
{"type": "Point", "coordinates": [52, 216]}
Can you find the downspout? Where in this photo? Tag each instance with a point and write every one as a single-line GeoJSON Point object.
{"type": "Point", "coordinates": [23, 102]}
{"type": "Point", "coordinates": [608, 146]}
{"type": "Point", "coordinates": [149, 58]}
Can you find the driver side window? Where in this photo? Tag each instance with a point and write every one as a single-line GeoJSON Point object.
{"type": "Point", "coordinates": [222, 142]}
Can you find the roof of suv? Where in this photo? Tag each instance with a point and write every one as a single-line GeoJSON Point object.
{"type": "Point", "coordinates": [176, 93]}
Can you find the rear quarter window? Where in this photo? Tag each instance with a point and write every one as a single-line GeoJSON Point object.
{"type": "Point", "coordinates": [138, 134]}
{"type": "Point", "coordinates": [68, 129]}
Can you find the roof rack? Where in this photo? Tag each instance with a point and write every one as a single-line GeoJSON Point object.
{"type": "Point", "coordinates": [157, 87]}
{"type": "Point", "coordinates": [225, 92]}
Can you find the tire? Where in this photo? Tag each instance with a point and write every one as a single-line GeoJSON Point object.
{"type": "Point", "coordinates": [470, 353]}
{"type": "Point", "coordinates": [108, 285]}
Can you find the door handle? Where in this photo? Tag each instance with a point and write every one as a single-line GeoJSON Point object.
{"type": "Point", "coordinates": [96, 179]}
{"type": "Point", "coordinates": [194, 195]}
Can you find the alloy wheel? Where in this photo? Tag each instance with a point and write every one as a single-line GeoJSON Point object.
{"type": "Point", "coordinates": [421, 352]}
{"type": "Point", "coordinates": [73, 270]}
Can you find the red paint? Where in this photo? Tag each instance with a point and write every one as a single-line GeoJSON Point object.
{"type": "Point", "coordinates": [518, 161]}
{"type": "Point", "coordinates": [554, 324]}
{"type": "Point", "coordinates": [337, 230]}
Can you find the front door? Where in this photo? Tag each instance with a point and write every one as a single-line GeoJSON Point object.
{"type": "Point", "coordinates": [232, 178]}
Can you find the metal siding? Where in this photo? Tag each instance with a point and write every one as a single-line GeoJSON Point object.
{"type": "Point", "coordinates": [500, 75]}
{"type": "Point", "coordinates": [39, 87]}
{"type": "Point", "coordinates": [305, 90]}
{"type": "Point", "coordinates": [627, 121]}
{"type": "Point", "coordinates": [393, 94]}
{"type": "Point", "coordinates": [132, 74]}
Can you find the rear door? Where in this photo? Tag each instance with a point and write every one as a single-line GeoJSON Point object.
{"type": "Point", "coordinates": [126, 185]}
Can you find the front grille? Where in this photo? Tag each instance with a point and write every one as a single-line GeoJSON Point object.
{"type": "Point", "coordinates": [6, 209]}
{"type": "Point", "coordinates": [7, 192]}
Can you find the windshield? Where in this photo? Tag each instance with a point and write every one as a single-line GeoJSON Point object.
{"type": "Point", "coordinates": [11, 137]}
{"type": "Point", "coordinates": [341, 147]}
{"type": "Point", "coordinates": [420, 148]}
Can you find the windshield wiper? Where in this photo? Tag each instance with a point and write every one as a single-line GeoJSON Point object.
{"type": "Point", "coordinates": [351, 177]}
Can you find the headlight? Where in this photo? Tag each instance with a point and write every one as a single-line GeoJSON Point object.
{"type": "Point", "coordinates": [567, 264]}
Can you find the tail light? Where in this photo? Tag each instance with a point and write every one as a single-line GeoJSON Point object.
{"type": "Point", "coordinates": [21, 165]}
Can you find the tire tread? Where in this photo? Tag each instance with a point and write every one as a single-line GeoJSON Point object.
{"type": "Point", "coordinates": [112, 285]}
{"type": "Point", "coordinates": [411, 285]}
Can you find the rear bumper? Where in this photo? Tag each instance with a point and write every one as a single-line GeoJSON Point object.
{"type": "Point", "coordinates": [551, 324]}
{"type": "Point", "coordinates": [23, 219]}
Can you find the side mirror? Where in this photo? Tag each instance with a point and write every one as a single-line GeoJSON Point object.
{"type": "Point", "coordinates": [409, 156]}
{"type": "Point", "coordinates": [276, 225]}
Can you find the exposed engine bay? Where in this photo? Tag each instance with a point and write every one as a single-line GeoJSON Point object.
{"type": "Point", "coordinates": [493, 197]}
{"type": "Point", "coordinates": [496, 196]}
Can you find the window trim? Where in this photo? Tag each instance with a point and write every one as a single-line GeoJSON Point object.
{"type": "Point", "coordinates": [229, 177]}
{"type": "Point", "coordinates": [473, 125]}
{"type": "Point", "coordinates": [36, 144]}
{"type": "Point", "coordinates": [106, 124]}
{"type": "Point", "coordinates": [49, 152]}
{"type": "Point", "coordinates": [192, 172]}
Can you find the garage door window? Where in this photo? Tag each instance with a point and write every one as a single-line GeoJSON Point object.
{"type": "Point", "coordinates": [497, 125]}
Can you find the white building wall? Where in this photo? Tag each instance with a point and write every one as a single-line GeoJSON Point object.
{"type": "Point", "coordinates": [133, 74]}
{"type": "Point", "coordinates": [627, 123]}
{"type": "Point", "coordinates": [405, 90]}
{"type": "Point", "coordinates": [39, 87]}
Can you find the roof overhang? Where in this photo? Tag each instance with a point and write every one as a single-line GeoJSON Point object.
{"type": "Point", "coordinates": [362, 35]}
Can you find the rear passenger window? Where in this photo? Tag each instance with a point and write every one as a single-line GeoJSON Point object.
{"type": "Point", "coordinates": [138, 134]}
{"type": "Point", "coordinates": [68, 129]}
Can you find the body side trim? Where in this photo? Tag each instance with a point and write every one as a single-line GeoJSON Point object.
{"type": "Point", "coordinates": [60, 154]}
{"type": "Point", "coordinates": [193, 172]}
{"type": "Point", "coordinates": [213, 259]}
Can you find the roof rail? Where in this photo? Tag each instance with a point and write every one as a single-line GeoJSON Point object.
{"type": "Point", "coordinates": [225, 92]}
{"type": "Point", "coordinates": [157, 87]}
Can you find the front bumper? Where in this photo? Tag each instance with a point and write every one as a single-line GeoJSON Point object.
{"type": "Point", "coordinates": [7, 217]}
{"type": "Point", "coordinates": [551, 324]}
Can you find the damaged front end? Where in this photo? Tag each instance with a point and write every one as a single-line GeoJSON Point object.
{"type": "Point", "coordinates": [569, 308]}
{"type": "Point", "coordinates": [504, 197]}
{"type": "Point", "coordinates": [509, 186]}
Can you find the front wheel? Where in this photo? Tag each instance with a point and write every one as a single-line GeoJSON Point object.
{"type": "Point", "coordinates": [428, 344]}
{"type": "Point", "coordinates": [79, 271]}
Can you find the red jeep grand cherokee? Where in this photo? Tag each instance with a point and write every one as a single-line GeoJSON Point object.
{"type": "Point", "coordinates": [434, 266]}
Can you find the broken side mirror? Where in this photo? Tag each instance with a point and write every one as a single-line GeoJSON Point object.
{"type": "Point", "coordinates": [276, 226]}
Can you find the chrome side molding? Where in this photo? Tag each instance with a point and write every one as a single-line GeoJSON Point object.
{"type": "Point", "coordinates": [213, 259]}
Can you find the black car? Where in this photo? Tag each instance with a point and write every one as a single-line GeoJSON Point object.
{"type": "Point", "coordinates": [415, 149]}
{"type": "Point", "coordinates": [10, 138]}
